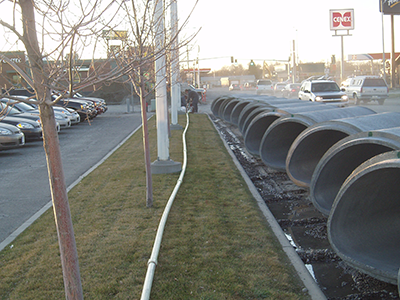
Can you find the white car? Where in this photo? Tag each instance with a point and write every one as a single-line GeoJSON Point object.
{"type": "Point", "coordinates": [326, 91]}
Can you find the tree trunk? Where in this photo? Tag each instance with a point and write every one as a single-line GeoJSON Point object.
{"type": "Point", "coordinates": [66, 239]}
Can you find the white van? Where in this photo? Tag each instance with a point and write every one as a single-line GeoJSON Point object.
{"type": "Point", "coordinates": [367, 88]}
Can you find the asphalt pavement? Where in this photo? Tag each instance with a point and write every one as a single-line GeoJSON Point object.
{"type": "Point", "coordinates": [24, 184]}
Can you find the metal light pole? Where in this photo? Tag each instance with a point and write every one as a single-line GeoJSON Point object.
{"type": "Point", "coordinates": [163, 164]}
{"type": "Point", "coordinates": [175, 88]}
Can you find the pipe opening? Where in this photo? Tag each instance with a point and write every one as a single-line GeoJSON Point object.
{"type": "Point", "coordinates": [276, 143]}
{"type": "Point", "coordinates": [330, 177]}
{"type": "Point", "coordinates": [308, 152]}
{"type": "Point", "coordinates": [364, 224]}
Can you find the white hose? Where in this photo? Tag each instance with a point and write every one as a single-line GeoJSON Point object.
{"type": "Point", "coordinates": [152, 263]}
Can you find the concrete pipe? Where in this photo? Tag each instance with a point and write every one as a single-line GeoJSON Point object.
{"type": "Point", "coordinates": [363, 227]}
{"type": "Point", "coordinates": [269, 106]}
{"type": "Point", "coordinates": [223, 105]}
{"type": "Point", "coordinates": [215, 106]}
{"type": "Point", "coordinates": [237, 110]}
{"type": "Point", "coordinates": [343, 158]}
{"type": "Point", "coordinates": [309, 147]}
{"type": "Point", "coordinates": [277, 140]}
{"type": "Point", "coordinates": [226, 113]}
{"type": "Point", "coordinates": [247, 110]}
{"type": "Point", "coordinates": [216, 102]}
{"type": "Point", "coordinates": [259, 125]}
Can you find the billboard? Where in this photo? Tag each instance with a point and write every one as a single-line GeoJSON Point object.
{"type": "Point", "coordinates": [389, 7]}
{"type": "Point", "coordinates": [342, 19]}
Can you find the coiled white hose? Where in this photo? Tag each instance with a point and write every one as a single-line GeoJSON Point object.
{"type": "Point", "coordinates": [152, 263]}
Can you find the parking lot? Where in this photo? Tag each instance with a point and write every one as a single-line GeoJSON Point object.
{"type": "Point", "coordinates": [24, 181]}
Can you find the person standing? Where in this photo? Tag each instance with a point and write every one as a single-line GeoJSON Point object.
{"type": "Point", "coordinates": [193, 98]}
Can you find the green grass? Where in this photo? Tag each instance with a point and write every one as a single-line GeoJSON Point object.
{"type": "Point", "coordinates": [216, 245]}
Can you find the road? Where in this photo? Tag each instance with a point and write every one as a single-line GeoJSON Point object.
{"type": "Point", "coordinates": [24, 181]}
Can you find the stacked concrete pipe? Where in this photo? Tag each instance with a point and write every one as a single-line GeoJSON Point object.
{"type": "Point", "coordinates": [363, 226]}
{"type": "Point", "coordinates": [343, 158]}
{"type": "Point", "coordinates": [259, 125]}
{"type": "Point", "coordinates": [309, 147]}
{"type": "Point", "coordinates": [279, 137]}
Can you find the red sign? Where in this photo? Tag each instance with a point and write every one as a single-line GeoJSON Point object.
{"type": "Point", "coordinates": [342, 19]}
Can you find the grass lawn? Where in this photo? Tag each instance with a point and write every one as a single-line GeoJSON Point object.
{"type": "Point", "coordinates": [216, 244]}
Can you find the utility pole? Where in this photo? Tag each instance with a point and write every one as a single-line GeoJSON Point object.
{"type": "Point", "coordinates": [163, 164]}
{"type": "Point", "coordinates": [175, 87]}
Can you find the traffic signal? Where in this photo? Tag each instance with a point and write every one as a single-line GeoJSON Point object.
{"type": "Point", "coordinates": [232, 60]}
{"type": "Point", "coordinates": [252, 63]}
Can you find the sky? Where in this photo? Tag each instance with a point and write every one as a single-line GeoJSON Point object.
{"type": "Point", "coordinates": [265, 30]}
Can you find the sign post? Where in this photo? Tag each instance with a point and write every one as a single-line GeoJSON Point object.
{"type": "Point", "coordinates": [390, 7]}
{"type": "Point", "coordinates": [340, 20]}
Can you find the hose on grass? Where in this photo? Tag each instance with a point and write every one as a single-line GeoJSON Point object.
{"type": "Point", "coordinates": [152, 263]}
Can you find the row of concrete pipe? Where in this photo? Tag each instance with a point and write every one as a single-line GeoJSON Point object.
{"type": "Point", "coordinates": [349, 160]}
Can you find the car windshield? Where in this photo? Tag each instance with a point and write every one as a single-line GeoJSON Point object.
{"type": "Point", "coordinates": [325, 87]}
{"type": "Point", "coordinates": [264, 83]}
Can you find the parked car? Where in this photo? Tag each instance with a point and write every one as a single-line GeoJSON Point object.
{"type": "Point", "coordinates": [100, 103]}
{"type": "Point", "coordinates": [11, 137]}
{"type": "Point", "coordinates": [322, 90]}
{"type": "Point", "coordinates": [84, 108]}
{"type": "Point", "coordinates": [13, 112]}
{"type": "Point", "coordinates": [234, 87]}
{"type": "Point", "coordinates": [278, 87]}
{"type": "Point", "coordinates": [23, 107]}
{"type": "Point", "coordinates": [248, 86]}
{"type": "Point", "coordinates": [31, 129]}
{"type": "Point", "coordinates": [264, 86]}
{"type": "Point", "coordinates": [72, 115]}
{"type": "Point", "coordinates": [291, 90]}
{"type": "Point", "coordinates": [367, 88]}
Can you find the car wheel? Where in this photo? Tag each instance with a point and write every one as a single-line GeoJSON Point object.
{"type": "Point", "coordinates": [356, 100]}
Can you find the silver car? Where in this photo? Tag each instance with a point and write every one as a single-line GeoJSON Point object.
{"type": "Point", "coordinates": [10, 137]}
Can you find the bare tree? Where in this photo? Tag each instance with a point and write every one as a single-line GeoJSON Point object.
{"type": "Point", "coordinates": [65, 30]}
{"type": "Point", "coordinates": [43, 78]}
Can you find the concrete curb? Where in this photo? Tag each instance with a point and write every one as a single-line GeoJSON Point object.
{"type": "Point", "coordinates": [312, 288]}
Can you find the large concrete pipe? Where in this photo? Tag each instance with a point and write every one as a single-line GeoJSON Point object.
{"type": "Point", "coordinates": [308, 148]}
{"type": "Point", "coordinates": [269, 106]}
{"type": "Point", "coordinates": [226, 113]}
{"type": "Point", "coordinates": [259, 125]}
{"type": "Point", "coordinates": [343, 158]}
{"type": "Point", "coordinates": [223, 105]}
{"type": "Point", "coordinates": [277, 140]}
{"type": "Point", "coordinates": [363, 227]}
{"type": "Point", "coordinates": [237, 110]}
{"type": "Point", "coordinates": [215, 105]}
{"type": "Point", "coordinates": [247, 110]}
